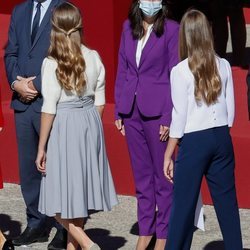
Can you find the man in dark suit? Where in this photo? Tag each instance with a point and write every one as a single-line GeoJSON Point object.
{"type": "Point", "coordinates": [29, 38]}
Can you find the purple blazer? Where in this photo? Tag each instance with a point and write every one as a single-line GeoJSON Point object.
{"type": "Point", "coordinates": [151, 80]}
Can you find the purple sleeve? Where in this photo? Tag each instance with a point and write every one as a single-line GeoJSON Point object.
{"type": "Point", "coordinates": [173, 43]}
{"type": "Point", "coordinates": [173, 48]}
{"type": "Point", "coordinates": [121, 72]}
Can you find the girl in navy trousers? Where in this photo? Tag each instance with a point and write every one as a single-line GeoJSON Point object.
{"type": "Point", "coordinates": [203, 110]}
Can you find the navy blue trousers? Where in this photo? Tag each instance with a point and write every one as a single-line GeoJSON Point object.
{"type": "Point", "coordinates": [210, 153]}
{"type": "Point", "coordinates": [27, 130]}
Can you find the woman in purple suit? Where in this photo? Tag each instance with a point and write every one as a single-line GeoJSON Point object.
{"type": "Point", "coordinates": [148, 51]}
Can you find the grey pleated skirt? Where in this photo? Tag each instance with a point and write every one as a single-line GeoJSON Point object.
{"type": "Point", "coordinates": [78, 176]}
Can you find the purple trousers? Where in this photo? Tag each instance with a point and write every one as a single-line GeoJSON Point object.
{"type": "Point", "coordinates": [153, 191]}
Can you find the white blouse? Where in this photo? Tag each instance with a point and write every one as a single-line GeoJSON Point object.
{"type": "Point", "coordinates": [187, 115]}
{"type": "Point", "coordinates": [141, 44]}
{"type": "Point", "coordinates": [53, 93]}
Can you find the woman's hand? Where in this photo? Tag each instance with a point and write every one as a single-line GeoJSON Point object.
{"type": "Point", "coordinates": [168, 169]}
{"type": "Point", "coordinates": [120, 126]}
{"type": "Point", "coordinates": [1, 129]}
{"type": "Point", "coordinates": [164, 132]}
{"type": "Point", "coordinates": [41, 161]}
{"type": "Point", "coordinates": [100, 110]}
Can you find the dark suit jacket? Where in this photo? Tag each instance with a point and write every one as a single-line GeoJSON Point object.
{"type": "Point", "coordinates": [23, 58]}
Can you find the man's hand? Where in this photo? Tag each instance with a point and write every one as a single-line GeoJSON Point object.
{"type": "Point", "coordinates": [25, 88]}
{"type": "Point", "coordinates": [31, 85]}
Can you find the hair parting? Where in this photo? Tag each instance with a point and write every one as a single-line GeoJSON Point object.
{"type": "Point", "coordinates": [65, 47]}
{"type": "Point", "coordinates": [196, 44]}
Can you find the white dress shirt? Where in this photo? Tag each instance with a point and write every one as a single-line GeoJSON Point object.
{"type": "Point", "coordinates": [187, 115]}
{"type": "Point", "coordinates": [141, 44]}
{"type": "Point", "coordinates": [44, 8]}
{"type": "Point", "coordinates": [53, 93]}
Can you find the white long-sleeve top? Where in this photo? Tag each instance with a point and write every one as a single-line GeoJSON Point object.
{"type": "Point", "coordinates": [141, 44]}
{"type": "Point", "coordinates": [53, 93]}
{"type": "Point", "coordinates": [187, 115]}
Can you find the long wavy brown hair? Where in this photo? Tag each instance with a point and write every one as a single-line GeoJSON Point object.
{"type": "Point", "coordinates": [196, 44]}
{"type": "Point", "coordinates": [135, 17]}
{"type": "Point", "coordinates": [65, 47]}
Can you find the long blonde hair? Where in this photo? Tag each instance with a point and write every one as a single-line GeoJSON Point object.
{"type": "Point", "coordinates": [196, 44]}
{"type": "Point", "coordinates": [65, 42]}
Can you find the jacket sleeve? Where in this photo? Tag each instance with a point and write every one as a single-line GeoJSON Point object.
{"type": "Point", "coordinates": [38, 82]}
{"type": "Point", "coordinates": [173, 60]}
{"type": "Point", "coordinates": [121, 72]}
{"type": "Point", "coordinates": [11, 51]}
{"type": "Point", "coordinates": [173, 49]}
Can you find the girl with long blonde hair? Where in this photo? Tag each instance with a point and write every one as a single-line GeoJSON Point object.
{"type": "Point", "coordinates": [203, 111]}
{"type": "Point", "coordinates": [71, 153]}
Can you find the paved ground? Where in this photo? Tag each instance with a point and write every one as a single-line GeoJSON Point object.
{"type": "Point", "coordinates": [112, 230]}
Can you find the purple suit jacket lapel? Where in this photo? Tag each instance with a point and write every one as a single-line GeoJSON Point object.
{"type": "Point", "coordinates": [131, 53]}
{"type": "Point", "coordinates": [133, 47]}
{"type": "Point", "coordinates": [148, 46]}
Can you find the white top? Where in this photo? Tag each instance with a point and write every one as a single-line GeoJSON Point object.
{"type": "Point", "coordinates": [44, 8]}
{"type": "Point", "coordinates": [187, 115]}
{"type": "Point", "coordinates": [141, 43]}
{"type": "Point", "coordinates": [53, 93]}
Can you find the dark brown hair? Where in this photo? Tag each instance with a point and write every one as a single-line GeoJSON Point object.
{"type": "Point", "coordinates": [196, 44]}
{"type": "Point", "coordinates": [65, 41]}
{"type": "Point", "coordinates": [135, 17]}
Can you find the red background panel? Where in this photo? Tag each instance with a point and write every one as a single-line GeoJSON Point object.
{"type": "Point", "coordinates": [102, 22]}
